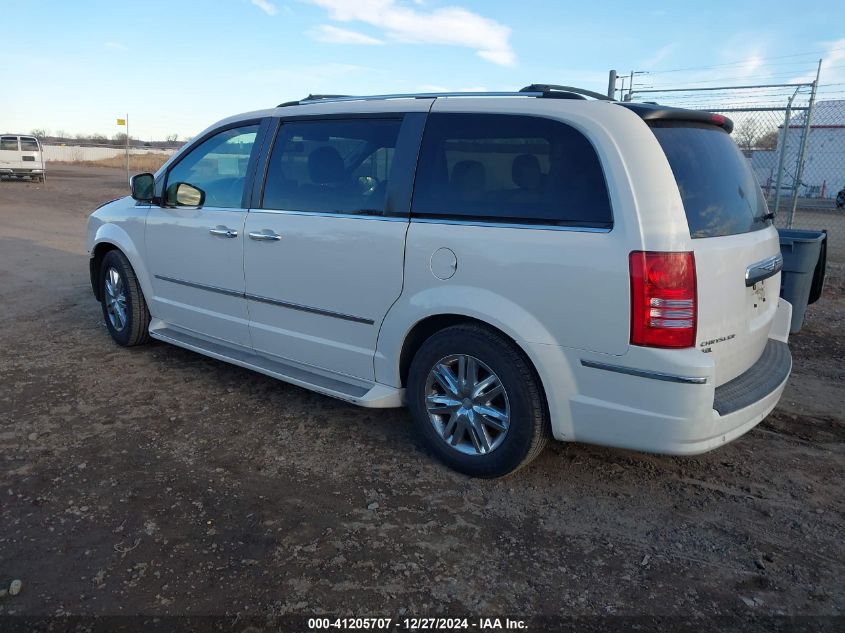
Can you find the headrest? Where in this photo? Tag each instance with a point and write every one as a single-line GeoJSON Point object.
{"type": "Point", "coordinates": [525, 172]}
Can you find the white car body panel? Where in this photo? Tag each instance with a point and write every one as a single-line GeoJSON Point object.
{"type": "Point", "coordinates": [180, 248]}
{"type": "Point", "coordinates": [360, 259]}
{"type": "Point", "coordinates": [726, 307]}
{"type": "Point", "coordinates": [121, 223]}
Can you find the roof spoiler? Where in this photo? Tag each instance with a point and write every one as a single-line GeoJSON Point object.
{"type": "Point", "coordinates": [655, 112]}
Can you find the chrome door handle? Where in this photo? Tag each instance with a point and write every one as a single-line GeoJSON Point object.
{"type": "Point", "coordinates": [265, 237]}
{"type": "Point", "coordinates": [222, 231]}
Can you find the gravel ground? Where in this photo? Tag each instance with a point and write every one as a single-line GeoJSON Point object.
{"type": "Point", "coordinates": [156, 481]}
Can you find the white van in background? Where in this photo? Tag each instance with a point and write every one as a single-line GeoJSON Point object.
{"type": "Point", "coordinates": [21, 157]}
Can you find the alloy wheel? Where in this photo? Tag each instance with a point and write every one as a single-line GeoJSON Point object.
{"type": "Point", "coordinates": [115, 298]}
{"type": "Point", "coordinates": [467, 404]}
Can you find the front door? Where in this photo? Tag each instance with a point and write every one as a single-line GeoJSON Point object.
{"type": "Point", "coordinates": [324, 251]}
{"type": "Point", "coordinates": [195, 251]}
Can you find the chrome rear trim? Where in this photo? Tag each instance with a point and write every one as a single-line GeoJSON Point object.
{"type": "Point", "coordinates": [764, 269]}
{"type": "Point", "coordinates": [643, 373]}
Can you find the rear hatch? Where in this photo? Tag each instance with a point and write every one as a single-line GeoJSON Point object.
{"type": "Point", "coordinates": [732, 236]}
{"type": "Point", "coordinates": [30, 153]}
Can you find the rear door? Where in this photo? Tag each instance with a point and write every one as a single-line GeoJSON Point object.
{"type": "Point", "coordinates": [31, 157]}
{"type": "Point", "coordinates": [324, 250]}
{"type": "Point", "coordinates": [10, 154]}
{"type": "Point", "coordinates": [731, 237]}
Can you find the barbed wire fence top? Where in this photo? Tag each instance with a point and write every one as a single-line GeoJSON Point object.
{"type": "Point", "coordinates": [794, 143]}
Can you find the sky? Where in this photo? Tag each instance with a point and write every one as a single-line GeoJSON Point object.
{"type": "Point", "coordinates": [177, 66]}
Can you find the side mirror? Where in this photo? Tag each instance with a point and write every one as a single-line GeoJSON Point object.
{"type": "Point", "coordinates": [183, 194]}
{"type": "Point", "coordinates": [143, 187]}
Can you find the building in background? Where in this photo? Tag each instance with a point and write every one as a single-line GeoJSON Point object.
{"type": "Point", "coordinates": [824, 159]}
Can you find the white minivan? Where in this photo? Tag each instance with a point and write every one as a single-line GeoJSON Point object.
{"type": "Point", "coordinates": [21, 156]}
{"type": "Point", "coordinates": [509, 266]}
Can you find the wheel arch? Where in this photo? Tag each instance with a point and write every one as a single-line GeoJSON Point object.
{"type": "Point", "coordinates": [98, 253]}
{"type": "Point", "coordinates": [425, 328]}
{"type": "Point", "coordinates": [112, 237]}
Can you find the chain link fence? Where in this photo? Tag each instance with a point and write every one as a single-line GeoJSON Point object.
{"type": "Point", "coordinates": [795, 145]}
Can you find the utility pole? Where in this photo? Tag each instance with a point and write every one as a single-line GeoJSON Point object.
{"type": "Point", "coordinates": [611, 85]}
{"type": "Point", "coordinates": [782, 144]}
{"type": "Point", "coordinates": [127, 146]}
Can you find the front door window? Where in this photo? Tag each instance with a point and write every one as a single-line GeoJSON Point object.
{"type": "Point", "coordinates": [218, 166]}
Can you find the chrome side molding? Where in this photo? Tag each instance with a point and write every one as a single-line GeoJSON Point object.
{"type": "Point", "coordinates": [764, 269]}
{"type": "Point", "coordinates": [644, 373]}
{"type": "Point", "coordinates": [275, 302]}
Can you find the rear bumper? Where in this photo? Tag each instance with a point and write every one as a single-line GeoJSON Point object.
{"type": "Point", "coordinates": [668, 402]}
{"type": "Point", "coordinates": [762, 378]}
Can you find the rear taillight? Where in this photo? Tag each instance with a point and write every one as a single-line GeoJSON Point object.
{"type": "Point", "coordinates": [663, 299]}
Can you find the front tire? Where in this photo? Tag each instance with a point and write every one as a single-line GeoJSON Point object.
{"type": "Point", "coordinates": [476, 402]}
{"type": "Point", "coordinates": [124, 308]}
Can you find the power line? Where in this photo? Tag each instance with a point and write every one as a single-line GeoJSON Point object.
{"type": "Point", "coordinates": [741, 77]}
{"type": "Point", "coordinates": [741, 62]}
{"type": "Point", "coordinates": [758, 72]}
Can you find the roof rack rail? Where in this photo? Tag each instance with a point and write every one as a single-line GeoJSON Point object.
{"type": "Point", "coordinates": [565, 92]}
{"type": "Point", "coordinates": [410, 95]}
{"type": "Point", "coordinates": [311, 98]}
{"type": "Point", "coordinates": [534, 90]}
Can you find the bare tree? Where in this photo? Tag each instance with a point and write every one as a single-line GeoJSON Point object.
{"type": "Point", "coordinates": [769, 140]}
{"type": "Point", "coordinates": [746, 135]}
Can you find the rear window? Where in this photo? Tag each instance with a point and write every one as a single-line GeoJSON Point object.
{"type": "Point", "coordinates": [29, 144]}
{"type": "Point", "coordinates": [510, 169]}
{"type": "Point", "coordinates": [720, 193]}
{"type": "Point", "coordinates": [9, 143]}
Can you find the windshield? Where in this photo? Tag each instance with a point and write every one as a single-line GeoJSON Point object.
{"type": "Point", "coordinates": [720, 193]}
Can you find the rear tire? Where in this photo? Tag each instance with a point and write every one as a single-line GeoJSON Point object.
{"type": "Point", "coordinates": [476, 402]}
{"type": "Point", "coordinates": [124, 308]}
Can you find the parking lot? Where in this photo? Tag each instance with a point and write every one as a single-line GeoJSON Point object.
{"type": "Point", "coordinates": [157, 481]}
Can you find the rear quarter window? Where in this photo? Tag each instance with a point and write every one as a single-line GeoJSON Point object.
{"type": "Point", "coordinates": [509, 169]}
{"type": "Point", "coordinates": [721, 196]}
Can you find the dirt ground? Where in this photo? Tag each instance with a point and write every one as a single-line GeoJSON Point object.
{"type": "Point", "coordinates": [157, 481]}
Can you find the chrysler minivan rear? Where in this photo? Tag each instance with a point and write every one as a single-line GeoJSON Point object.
{"type": "Point", "coordinates": [709, 312]}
